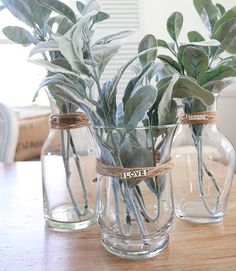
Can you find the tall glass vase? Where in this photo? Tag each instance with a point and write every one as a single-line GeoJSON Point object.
{"type": "Point", "coordinates": [68, 160]}
{"type": "Point", "coordinates": [134, 201]}
{"type": "Point", "coordinates": [204, 163]}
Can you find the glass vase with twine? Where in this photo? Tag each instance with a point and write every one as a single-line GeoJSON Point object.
{"type": "Point", "coordinates": [204, 163]}
{"type": "Point", "coordinates": [134, 198]}
{"type": "Point", "coordinates": [68, 160]}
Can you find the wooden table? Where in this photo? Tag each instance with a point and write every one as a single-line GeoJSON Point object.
{"type": "Point", "coordinates": [26, 244]}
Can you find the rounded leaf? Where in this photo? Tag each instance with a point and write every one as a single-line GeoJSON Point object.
{"type": "Point", "coordinates": [226, 35]}
{"type": "Point", "coordinates": [194, 36]}
{"type": "Point", "coordinates": [208, 12]}
{"type": "Point", "coordinates": [230, 14]}
{"type": "Point", "coordinates": [148, 42]}
{"type": "Point", "coordinates": [174, 25]}
{"type": "Point", "coordinates": [60, 8]}
{"type": "Point", "coordinates": [18, 35]}
{"type": "Point", "coordinates": [195, 61]}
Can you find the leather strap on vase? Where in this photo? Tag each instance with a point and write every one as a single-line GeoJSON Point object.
{"type": "Point", "coordinates": [68, 121]}
{"type": "Point", "coordinates": [199, 118]}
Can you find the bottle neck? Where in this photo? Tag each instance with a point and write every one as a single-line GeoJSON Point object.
{"type": "Point", "coordinates": [68, 121]}
{"type": "Point", "coordinates": [213, 107]}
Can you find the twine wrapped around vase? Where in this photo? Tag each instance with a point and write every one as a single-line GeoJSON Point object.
{"type": "Point", "coordinates": [199, 118]}
{"type": "Point", "coordinates": [68, 121]}
{"type": "Point", "coordinates": [133, 173]}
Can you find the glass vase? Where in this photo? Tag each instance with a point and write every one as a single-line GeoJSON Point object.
{"type": "Point", "coordinates": [68, 159]}
{"type": "Point", "coordinates": [204, 163]}
{"type": "Point", "coordinates": [134, 195]}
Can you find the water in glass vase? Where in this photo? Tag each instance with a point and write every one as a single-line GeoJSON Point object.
{"type": "Point", "coordinates": [69, 169]}
{"type": "Point", "coordinates": [204, 163]}
{"type": "Point", "coordinates": [135, 200]}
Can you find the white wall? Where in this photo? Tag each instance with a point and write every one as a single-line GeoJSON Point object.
{"type": "Point", "coordinates": [155, 13]}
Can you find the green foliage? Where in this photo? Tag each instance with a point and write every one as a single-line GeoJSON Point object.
{"type": "Point", "coordinates": [174, 25]}
{"type": "Point", "coordinates": [138, 104]}
{"type": "Point", "coordinates": [75, 62]}
{"type": "Point", "coordinates": [18, 35]}
{"type": "Point", "coordinates": [60, 8]}
{"type": "Point", "coordinates": [149, 41]}
{"type": "Point", "coordinates": [208, 12]}
{"type": "Point", "coordinates": [195, 62]}
{"type": "Point", "coordinates": [209, 63]}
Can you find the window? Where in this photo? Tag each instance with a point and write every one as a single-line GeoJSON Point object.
{"type": "Point", "coordinates": [19, 78]}
{"type": "Point", "coordinates": [124, 15]}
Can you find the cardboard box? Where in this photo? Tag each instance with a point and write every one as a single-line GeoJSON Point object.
{"type": "Point", "coordinates": [33, 131]}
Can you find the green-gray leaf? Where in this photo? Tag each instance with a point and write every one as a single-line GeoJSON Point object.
{"type": "Point", "coordinates": [111, 91]}
{"type": "Point", "coordinates": [80, 6]}
{"type": "Point", "coordinates": [115, 36]}
{"type": "Point", "coordinates": [52, 67]}
{"type": "Point", "coordinates": [205, 43]}
{"type": "Point", "coordinates": [186, 87]}
{"type": "Point", "coordinates": [133, 83]}
{"type": "Point", "coordinates": [226, 34]}
{"type": "Point", "coordinates": [45, 46]}
{"type": "Point", "coordinates": [170, 61]}
{"type": "Point", "coordinates": [60, 8]}
{"type": "Point", "coordinates": [218, 73]}
{"type": "Point", "coordinates": [195, 61]}
{"type": "Point", "coordinates": [148, 42]}
{"type": "Point", "coordinates": [102, 54]}
{"type": "Point", "coordinates": [138, 104]}
{"type": "Point", "coordinates": [221, 9]}
{"type": "Point", "coordinates": [60, 80]}
{"type": "Point", "coordinates": [174, 25]}
{"type": "Point", "coordinates": [217, 85]}
{"type": "Point", "coordinates": [162, 43]}
{"type": "Point", "coordinates": [194, 36]}
{"type": "Point", "coordinates": [100, 16]}
{"type": "Point", "coordinates": [230, 14]}
{"type": "Point", "coordinates": [92, 5]}
{"type": "Point", "coordinates": [61, 22]}
{"type": "Point", "coordinates": [20, 10]}
{"type": "Point", "coordinates": [71, 45]}
{"type": "Point", "coordinates": [40, 13]}
{"type": "Point", "coordinates": [208, 12]}
{"type": "Point", "coordinates": [18, 35]}
{"type": "Point", "coordinates": [164, 107]}
{"type": "Point", "coordinates": [231, 61]}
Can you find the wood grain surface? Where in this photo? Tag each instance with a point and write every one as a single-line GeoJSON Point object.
{"type": "Point", "coordinates": [26, 244]}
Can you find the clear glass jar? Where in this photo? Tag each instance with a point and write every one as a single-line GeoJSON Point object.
{"type": "Point", "coordinates": [134, 205]}
{"type": "Point", "coordinates": [204, 163]}
{"type": "Point", "coordinates": [68, 160]}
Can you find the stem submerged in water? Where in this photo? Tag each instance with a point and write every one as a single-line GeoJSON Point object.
{"type": "Point", "coordinates": [201, 168]}
{"type": "Point", "coordinates": [67, 147]}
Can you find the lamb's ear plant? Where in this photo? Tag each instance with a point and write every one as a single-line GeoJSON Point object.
{"type": "Point", "coordinates": [208, 62]}
{"type": "Point", "coordinates": [45, 22]}
{"type": "Point", "coordinates": [145, 102]}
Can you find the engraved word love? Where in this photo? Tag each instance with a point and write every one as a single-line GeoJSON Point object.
{"type": "Point", "coordinates": [137, 173]}
{"type": "Point", "coordinates": [197, 117]}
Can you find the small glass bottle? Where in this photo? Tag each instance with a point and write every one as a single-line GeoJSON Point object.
{"type": "Point", "coordinates": [204, 163]}
{"type": "Point", "coordinates": [68, 160]}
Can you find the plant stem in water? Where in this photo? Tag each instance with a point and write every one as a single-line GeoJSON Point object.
{"type": "Point", "coordinates": [201, 166]}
